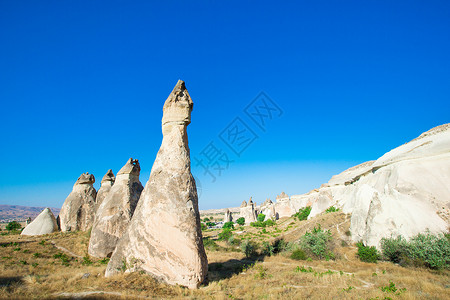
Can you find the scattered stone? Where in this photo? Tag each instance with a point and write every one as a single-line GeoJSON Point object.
{"type": "Point", "coordinates": [78, 211]}
{"type": "Point", "coordinates": [164, 237]}
{"type": "Point", "coordinates": [44, 223]}
{"type": "Point", "coordinates": [116, 210]}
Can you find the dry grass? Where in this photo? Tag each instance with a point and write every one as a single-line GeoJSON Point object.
{"type": "Point", "coordinates": [25, 274]}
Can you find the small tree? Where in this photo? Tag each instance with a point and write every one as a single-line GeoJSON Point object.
{"type": "Point", "coordinates": [248, 247]}
{"type": "Point", "coordinates": [241, 221]}
{"type": "Point", "coordinates": [225, 234]}
{"type": "Point", "coordinates": [261, 217]}
{"type": "Point", "coordinates": [206, 219]}
{"type": "Point", "coordinates": [14, 225]}
{"type": "Point", "coordinates": [229, 225]}
{"type": "Point", "coordinates": [303, 213]}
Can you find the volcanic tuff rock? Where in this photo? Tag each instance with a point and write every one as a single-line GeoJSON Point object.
{"type": "Point", "coordinates": [44, 223]}
{"type": "Point", "coordinates": [228, 216]}
{"type": "Point", "coordinates": [164, 236]}
{"type": "Point", "coordinates": [115, 212]}
{"type": "Point", "coordinates": [404, 192]}
{"type": "Point", "coordinates": [248, 212]}
{"type": "Point", "coordinates": [244, 204]}
{"type": "Point", "coordinates": [78, 211]}
{"type": "Point", "coordinates": [106, 184]}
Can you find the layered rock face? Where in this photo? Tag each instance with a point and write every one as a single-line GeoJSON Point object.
{"type": "Point", "coordinates": [106, 184]}
{"type": "Point", "coordinates": [44, 223]}
{"type": "Point", "coordinates": [249, 212]}
{"type": "Point", "coordinates": [283, 206]}
{"type": "Point", "coordinates": [115, 212]}
{"type": "Point", "coordinates": [404, 192]}
{"type": "Point", "coordinates": [78, 210]}
{"type": "Point", "coordinates": [164, 236]}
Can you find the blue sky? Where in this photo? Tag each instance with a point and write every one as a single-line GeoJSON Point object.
{"type": "Point", "coordinates": [82, 85]}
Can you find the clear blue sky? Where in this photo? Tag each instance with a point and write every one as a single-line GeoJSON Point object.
{"type": "Point", "coordinates": [82, 85]}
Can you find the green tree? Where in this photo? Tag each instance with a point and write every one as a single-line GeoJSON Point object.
{"type": "Point", "coordinates": [241, 221]}
{"type": "Point", "coordinates": [261, 217]}
{"type": "Point", "coordinates": [225, 235]}
{"type": "Point", "coordinates": [14, 225]}
{"type": "Point", "coordinates": [228, 225]}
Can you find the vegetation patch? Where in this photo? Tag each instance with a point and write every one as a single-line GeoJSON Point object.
{"type": "Point", "coordinates": [367, 254]}
{"type": "Point", "coordinates": [303, 213]}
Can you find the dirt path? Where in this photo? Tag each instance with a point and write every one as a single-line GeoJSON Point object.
{"type": "Point", "coordinates": [65, 250]}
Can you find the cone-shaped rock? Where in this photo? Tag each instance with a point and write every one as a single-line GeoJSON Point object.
{"type": "Point", "coordinates": [248, 212]}
{"type": "Point", "coordinates": [44, 223]}
{"type": "Point", "coordinates": [164, 237]}
{"type": "Point", "coordinates": [115, 212]}
{"type": "Point", "coordinates": [244, 203]}
{"type": "Point", "coordinates": [78, 211]}
{"type": "Point", "coordinates": [106, 184]}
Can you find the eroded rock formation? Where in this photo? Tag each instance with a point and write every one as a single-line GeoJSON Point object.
{"type": "Point", "coordinates": [78, 210]}
{"type": "Point", "coordinates": [249, 212]}
{"type": "Point", "coordinates": [228, 217]}
{"type": "Point", "coordinates": [164, 236]}
{"type": "Point", "coordinates": [115, 212]}
{"type": "Point", "coordinates": [106, 184]}
{"type": "Point", "coordinates": [44, 223]}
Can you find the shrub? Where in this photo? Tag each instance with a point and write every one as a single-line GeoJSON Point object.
{"type": "Point", "coordinates": [225, 234]}
{"type": "Point", "coordinates": [367, 254]}
{"type": "Point", "coordinates": [234, 241]}
{"type": "Point", "coordinates": [432, 251]}
{"type": "Point", "coordinates": [316, 242]}
{"type": "Point", "coordinates": [210, 224]}
{"type": "Point", "coordinates": [298, 254]}
{"type": "Point", "coordinates": [104, 261]}
{"type": "Point", "coordinates": [241, 221]}
{"type": "Point", "coordinates": [268, 249]}
{"type": "Point", "coordinates": [203, 226]}
{"type": "Point", "coordinates": [261, 217]}
{"type": "Point", "coordinates": [258, 224]}
{"type": "Point", "coordinates": [14, 225]}
{"type": "Point", "coordinates": [229, 225]}
{"type": "Point", "coordinates": [269, 222]}
{"type": "Point", "coordinates": [393, 248]}
{"type": "Point", "coordinates": [331, 209]}
{"type": "Point", "coordinates": [210, 244]}
{"type": "Point", "coordinates": [248, 247]}
{"type": "Point", "coordinates": [303, 213]}
{"type": "Point", "coordinates": [206, 220]}
{"type": "Point", "coordinates": [86, 261]}
{"type": "Point", "coordinates": [281, 245]}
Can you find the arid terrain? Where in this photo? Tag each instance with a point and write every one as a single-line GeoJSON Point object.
{"type": "Point", "coordinates": [17, 212]}
{"type": "Point", "coordinates": [57, 266]}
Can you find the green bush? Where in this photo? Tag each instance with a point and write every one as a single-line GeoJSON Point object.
{"type": "Point", "coordinates": [229, 225]}
{"type": "Point", "coordinates": [14, 225]}
{"type": "Point", "coordinates": [203, 226]}
{"type": "Point", "coordinates": [331, 209]}
{"type": "Point", "coordinates": [206, 220]}
{"type": "Point", "coordinates": [393, 248]}
{"type": "Point", "coordinates": [210, 224]}
{"type": "Point", "coordinates": [367, 254]}
{"type": "Point", "coordinates": [269, 222]}
{"type": "Point", "coordinates": [298, 254]}
{"type": "Point", "coordinates": [241, 221]}
{"type": "Point", "coordinates": [303, 213]}
{"type": "Point", "coordinates": [432, 251]}
{"type": "Point", "coordinates": [316, 242]}
{"type": "Point", "coordinates": [258, 224]}
{"type": "Point", "coordinates": [225, 234]}
{"type": "Point", "coordinates": [281, 245]}
{"type": "Point", "coordinates": [268, 249]}
{"type": "Point", "coordinates": [210, 244]}
{"type": "Point", "coordinates": [261, 217]}
{"type": "Point", "coordinates": [248, 247]}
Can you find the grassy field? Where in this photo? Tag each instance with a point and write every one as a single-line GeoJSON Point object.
{"type": "Point", "coordinates": [57, 266]}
